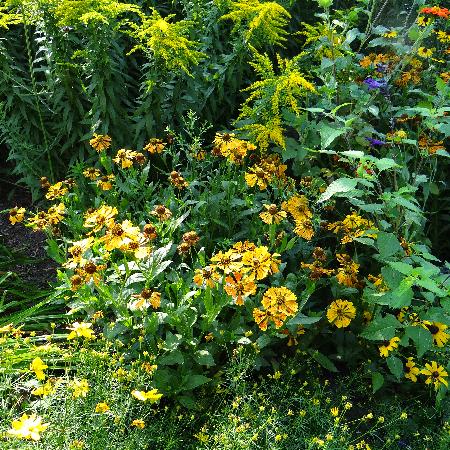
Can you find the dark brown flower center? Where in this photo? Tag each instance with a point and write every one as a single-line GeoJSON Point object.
{"type": "Point", "coordinates": [433, 329]}
{"type": "Point", "coordinates": [90, 268]}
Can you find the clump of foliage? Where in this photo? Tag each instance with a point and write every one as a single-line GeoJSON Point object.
{"type": "Point", "coordinates": [304, 228]}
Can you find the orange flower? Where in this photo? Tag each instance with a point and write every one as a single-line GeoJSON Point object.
{"type": "Point", "coordinates": [239, 287]}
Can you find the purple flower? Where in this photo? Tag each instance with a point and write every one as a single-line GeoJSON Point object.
{"type": "Point", "coordinates": [375, 142]}
{"type": "Point", "coordinates": [375, 84]}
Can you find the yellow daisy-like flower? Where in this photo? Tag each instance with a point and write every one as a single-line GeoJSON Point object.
{"type": "Point", "coordinates": [155, 146]}
{"type": "Point", "coordinates": [28, 427]}
{"type": "Point", "coordinates": [92, 173]}
{"type": "Point", "coordinates": [101, 407]}
{"type": "Point", "coordinates": [97, 219]}
{"type": "Point", "coordinates": [206, 276]}
{"type": "Point", "coordinates": [390, 34]}
{"type": "Point", "coordinates": [272, 214]}
{"type": "Point", "coordinates": [340, 313]}
{"type": "Point", "coordinates": [100, 142]}
{"type": "Point", "coordinates": [44, 390]}
{"type": "Point", "coordinates": [257, 176]}
{"type": "Point", "coordinates": [56, 191]}
{"type": "Point", "coordinates": [425, 52]}
{"type": "Point", "coordinates": [138, 423]}
{"type": "Point", "coordinates": [105, 182]}
{"type": "Point", "coordinates": [81, 329]}
{"type": "Point", "coordinates": [161, 212]}
{"type": "Point", "coordinates": [280, 301]}
{"type": "Point", "coordinates": [38, 367]}
{"type": "Point", "coordinates": [239, 287]}
{"type": "Point", "coordinates": [436, 374]}
{"type": "Point", "coordinates": [411, 370]}
{"type": "Point", "coordinates": [16, 215]}
{"type": "Point", "coordinates": [124, 158]}
{"type": "Point", "coordinates": [423, 21]}
{"type": "Point", "coordinates": [79, 388]}
{"type": "Point", "coordinates": [152, 396]}
{"type": "Point", "coordinates": [388, 345]}
{"type": "Point", "coordinates": [228, 261]}
{"type": "Point", "coordinates": [262, 319]}
{"type": "Point", "coordinates": [259, 263]}
{"type": "Point", "coordinates": [437, 329]}
{"type": "Point", "coordinates": [304, 229]}
{"type": "Point", "coordinates": [297, 206]}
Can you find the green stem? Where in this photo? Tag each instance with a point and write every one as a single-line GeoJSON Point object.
{"type": "Point", "coordinates": [33, 83]}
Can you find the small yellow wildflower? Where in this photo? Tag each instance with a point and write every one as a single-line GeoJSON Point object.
{"type": "Point", "coordinates": [38, 367]}
{"type": "Point", "coordinates": [28, 427]}
{"type": "Point", "coordinates": [101, 407]}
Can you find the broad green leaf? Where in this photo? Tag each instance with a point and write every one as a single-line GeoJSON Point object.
{"type": "Point", "coordinates": [377, 381]}
{"type": "Point", "coordinates": [385, 164]}
{"type": "Point", "coordinates": [175, 357]}
{"type": "Point", "coordinates": [204, 358]}
{"type": "Point", "coordinates": [405, 269]}
{"type": "Point", "coordinates": [338, 186]}
{"type": "Point", "coordinates": [193, 381]}
{"type": "Point", "coordinates": [381, 328]}
{"type": "Point", "coordinates": [329, 134]}
{"type": "Point", "coordinates": [388, 244]}
{"type": "Point", "coordinates": [421, 337]}
{"type": "Point", "coordinates": [301, 319]}
{"type": "Point", "coordinates": [395, 366]}
{"type": "Point", "coordinates": [323, 360]}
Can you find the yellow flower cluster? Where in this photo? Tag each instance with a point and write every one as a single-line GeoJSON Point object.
{"type": "Point", "coordinates": [297, 207]}
{"type": "Point", "coordinates": [232, 148]}
{"type": "Point", "coordinates": [269, 170]}
{"type": "Point", "coordinates": [278, 303]}
{"type": "Point", "coordinates": [352, 227]}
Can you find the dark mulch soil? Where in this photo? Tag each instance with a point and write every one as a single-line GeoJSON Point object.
{"type": "Point", "coordinates": [32, 264]}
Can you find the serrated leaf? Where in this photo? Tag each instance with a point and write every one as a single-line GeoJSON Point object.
{"type": "Point", "coordinates": [381, 328]}
{"type": "Point", "coordinates": [385, 164]}
{"type": "Point", "coordinates": [421, 337]}
{"type": "Point", "coordinates": [388, 244]}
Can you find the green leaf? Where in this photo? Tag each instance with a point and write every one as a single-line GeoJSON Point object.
{"type": "Point", "coordinates": [421, 337]}
{"type": "Point", "coordinates": [405, 269]}
{"type": "Point", "coordinates": [385, 164]}
{"type": "Point", "coordinates": [187, 401]}
{"type": "Point", "coordinates": [395, 366]}
{"type": "Point", "coordinates": [402, 295]}
{"type": "Point", "coordinates": [329, 134]}
{"type": "Point", "coordinates": [388, 244]}
{"type": "Point", "coordinates": [381, 328]}
{"type": "Point", "coordinates": [323, 360]}
{"type": "Point", "coordinates": [193, 381]}
{"type": "Point", "coordinates": [377, 381]}
{"type": "Point", "coordinates": [175, 357]}
{"type": "Point", "coordinates": [301, 319]}
{"type": "Point", "coordinates": [338, 186]}
{"type": "Point", "coordinates": [204, 358]}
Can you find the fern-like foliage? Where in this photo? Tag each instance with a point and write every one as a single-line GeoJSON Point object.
{"type": "Point", "coordinates": [270, 95]}
{"type": "Point", "coordinates": [264, 22]}
{"type": "Point", "coordinates": [166, 41]}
